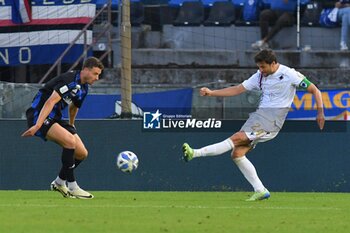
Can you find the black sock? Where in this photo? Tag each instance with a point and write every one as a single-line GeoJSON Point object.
{"type": "Point", "coordinates": [67, 170]}
{"type": "Point", "coordinates": [63, 174]}
{"type": "Point", "coordinates": [77, 162]}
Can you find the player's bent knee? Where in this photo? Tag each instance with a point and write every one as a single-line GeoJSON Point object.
{"type": "Point", "coordinates": [85, 154]}
{"type": "Point", "coordinates": [235, 154]}
{"type": "Point", "coordinates": [239, 138]}
{"type": "Point", "coordinates": [81, 154]}
{"type": "Point", "coordinates": [240, 151]}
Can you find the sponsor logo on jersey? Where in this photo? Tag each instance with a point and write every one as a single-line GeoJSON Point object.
{"type": "Point", "coordinates": [64, 89]}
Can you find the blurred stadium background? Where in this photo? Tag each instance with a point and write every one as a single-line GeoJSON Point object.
{"type": "Point", "coordinates": [174, 44]}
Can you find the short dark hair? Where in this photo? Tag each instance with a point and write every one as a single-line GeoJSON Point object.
{"type": "Point", "coordinates": [92, 62]}
{"type": "Point", "coordinates": [265, 55]}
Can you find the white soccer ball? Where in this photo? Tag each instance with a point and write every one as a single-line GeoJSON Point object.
{"type": "Point", "coordinates": [127, 161]}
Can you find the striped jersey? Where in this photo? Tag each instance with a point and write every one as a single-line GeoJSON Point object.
{"type": "Point", "coordinates": [68, 86]}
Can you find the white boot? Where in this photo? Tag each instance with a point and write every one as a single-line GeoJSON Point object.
{"type": "Point", "coordinates": [343, 46]}
{"type": "Point", "coordinates": [80, 193]}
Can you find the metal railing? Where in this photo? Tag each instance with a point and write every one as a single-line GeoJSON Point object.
{"type": "Point", "coordinates": [105, 31]}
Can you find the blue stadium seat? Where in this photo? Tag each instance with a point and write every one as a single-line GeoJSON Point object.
{"type": "Point", "coordinates": [304, 2]}
{"type": "Point", "coordinates": [238, 3]}
{"type": "Point", "coordinates": [209, 3]}
{"type": "Point", "coordinates": [265, 4]}
{"type": "Point", "coordinates": [221, 14]}
{"type": "Point", "coordinates": [248, 15]}
{"type": "Point", "coordinates": [190, 14]}
{"type": "Point", "coordinates": [311, 15]}
{"type": "Point", "coordinates": [178, 3]}
{"type": "Point", "coordinates": [100, 3]}
{"type": "Point", "coordinates": [137, 13]}
{"type": "Point", "coordinates": [155, 2]}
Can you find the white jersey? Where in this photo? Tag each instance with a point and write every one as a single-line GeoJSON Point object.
{"type": "Point", "coordinates": [278, 90]}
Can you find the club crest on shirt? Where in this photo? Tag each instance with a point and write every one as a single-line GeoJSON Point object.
{"type": "Point", "coordinates": [64, 89]}
{"type": "Point", "coordinates": [75, 91]}
{"type": "Point", "coordinates": [303, 84]}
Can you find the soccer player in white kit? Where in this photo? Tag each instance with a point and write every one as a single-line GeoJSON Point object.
{"type": "Point", "coordinates": [278, 84]}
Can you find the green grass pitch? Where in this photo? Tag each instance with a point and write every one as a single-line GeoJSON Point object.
{"type": "Point", "coordinates": [180, 212]}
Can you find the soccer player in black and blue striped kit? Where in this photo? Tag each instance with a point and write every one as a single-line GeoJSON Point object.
{"type": "Point", "coordinates": [44, 119]}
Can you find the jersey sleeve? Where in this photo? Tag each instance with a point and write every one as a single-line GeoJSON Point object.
{"type": "Point", "coordinates": [253, 83]}
{"type": "Point", "coordinates": [296, 77]}
{"type": "Point", "coordinates": [63, 85]}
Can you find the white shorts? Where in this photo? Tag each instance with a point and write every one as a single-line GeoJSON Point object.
{"type": "Point", "coordinates": [257, 137]}
{"type": "Point", "coordinates": [259, 129]}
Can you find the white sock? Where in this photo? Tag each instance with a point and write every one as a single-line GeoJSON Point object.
{"type": "Point", "coordinates": [249, 172]}
{"type": "Point", "coordinates": [72, 185]}
{"type": "Point", "coordinates": [59, 181]}
{"type": "Point", "coordinates": [214, 149]}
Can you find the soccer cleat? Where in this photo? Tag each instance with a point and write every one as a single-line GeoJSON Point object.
{"type": "Point", "coordinates": [343, 46]}
{"type": "Point", "coordinates": [259, 196]}
{"type": "Point", "coordinates": [80, 193]}
{"type": "Point", "coordinates": [260, 44]}
{"type": "Point", "coordinates": [188, 152]}
{"type": "Point", "coordinates": [60, 188]}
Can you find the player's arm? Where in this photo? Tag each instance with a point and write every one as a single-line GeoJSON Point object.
{"type": "Point", "coordinates": [45, 111]}
{"type": "Point", "coordinates": [311, 88]}
{"type": "Point", "coordinates": [319, 104]}
{"type": "Point", "coordinates": [228, 91]}
{"type": "Point", "coordinates": [73, 111]}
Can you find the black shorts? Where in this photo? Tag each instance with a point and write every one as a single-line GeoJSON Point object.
{"type": "Point", "coordinates": [32, 117]}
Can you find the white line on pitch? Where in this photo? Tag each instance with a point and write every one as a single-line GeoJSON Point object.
{"type": "Point", "coordinates": [173, 206]}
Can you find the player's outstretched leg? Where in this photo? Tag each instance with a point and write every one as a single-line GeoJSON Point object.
{"type": "Point", "coordinates": [59, 188]}
{"type": "Point", "coordinates": [259, 196]}
{"type": "Point", "coordinates": [187, 152]}
{"type": "Point", "coordinates": [75, 191]}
